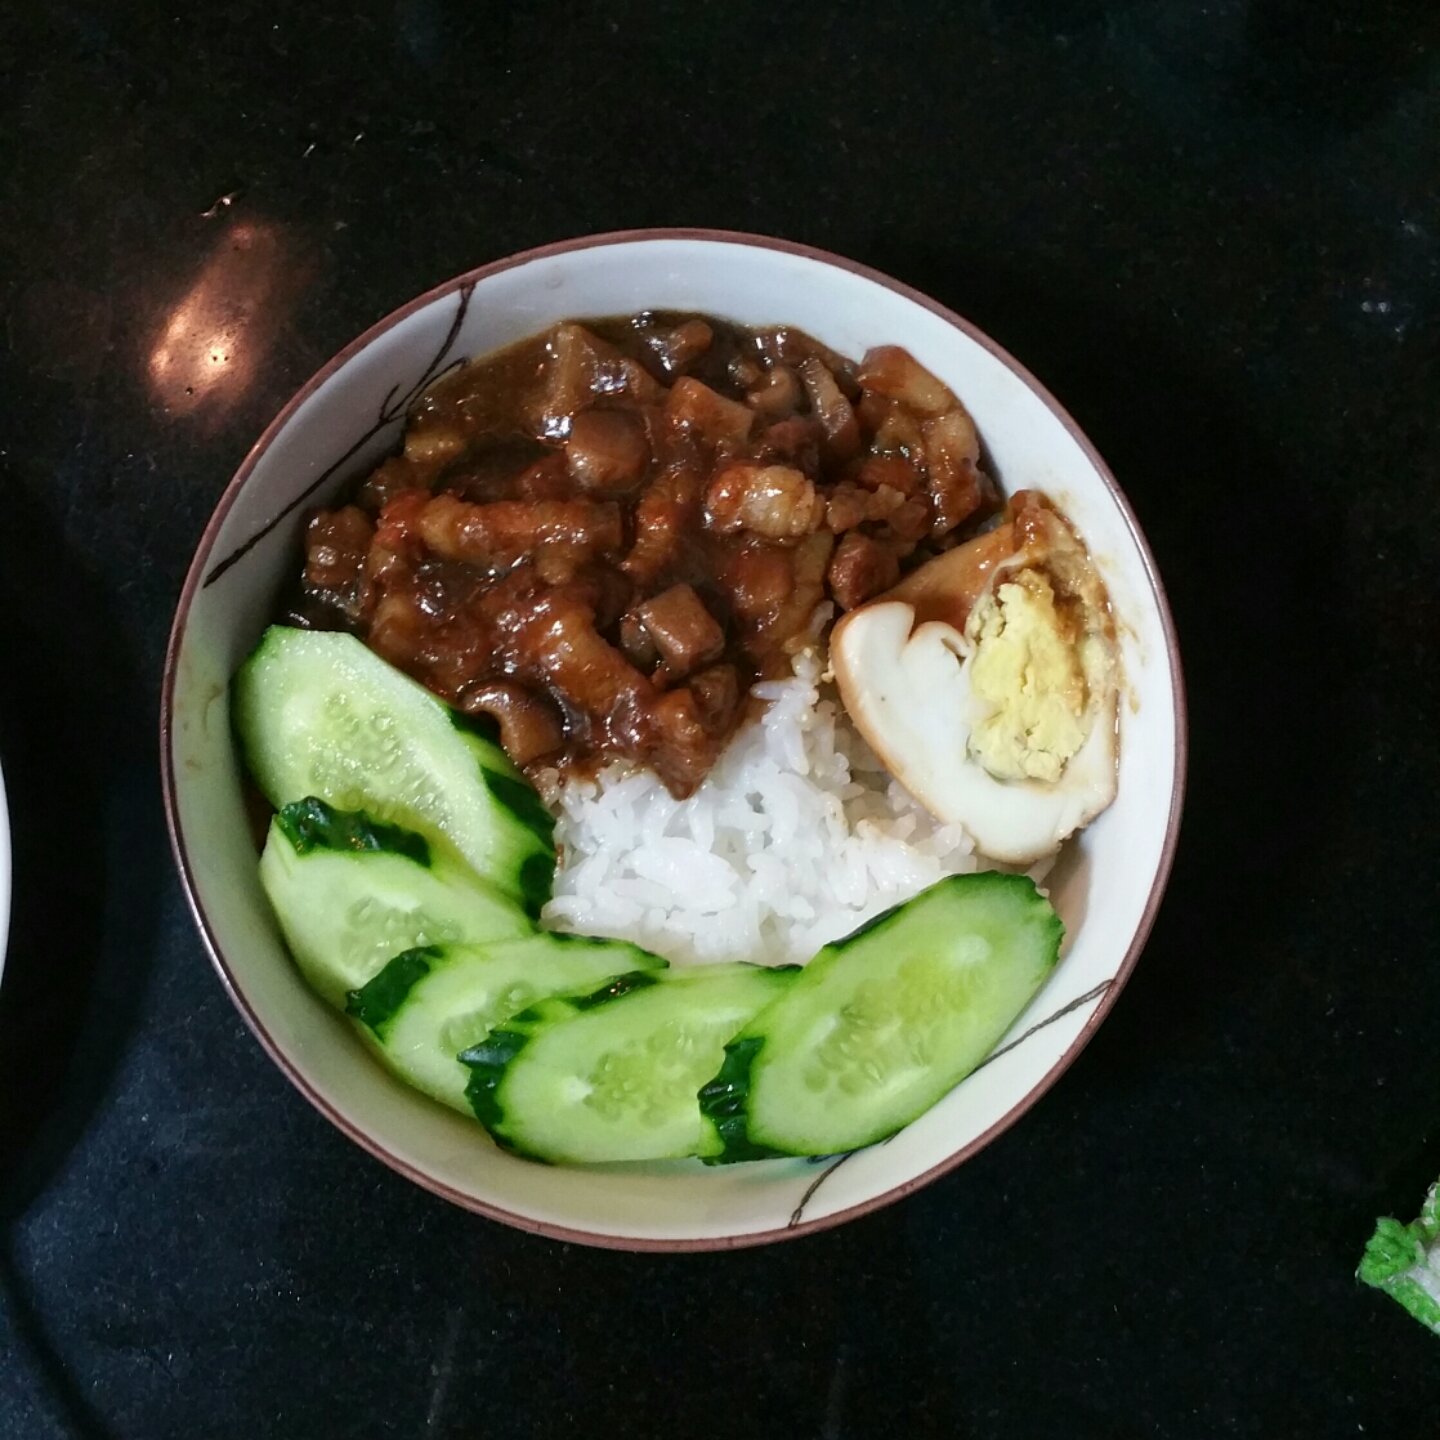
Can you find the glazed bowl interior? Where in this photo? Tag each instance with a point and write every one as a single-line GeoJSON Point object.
{"type": "Point", "coordinates": [1106, 887]}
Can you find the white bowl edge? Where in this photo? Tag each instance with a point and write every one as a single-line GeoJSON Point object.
{"type": "Point", "coordinates": [1031, 442]}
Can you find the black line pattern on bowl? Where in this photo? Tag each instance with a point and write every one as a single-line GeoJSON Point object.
{"type": "Point", "coordinates": [797, 1215]}
{"type": "Point", "coordinates": [1060, 1014]}
{"type": "Point", "coordinates": [391, 409]}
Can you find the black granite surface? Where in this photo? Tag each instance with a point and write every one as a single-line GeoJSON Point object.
{"type": "Point", "coordinates": [1214, 230]}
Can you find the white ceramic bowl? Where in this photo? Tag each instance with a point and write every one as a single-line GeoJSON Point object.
{"type": "Point", "coordinates": [344, 420]}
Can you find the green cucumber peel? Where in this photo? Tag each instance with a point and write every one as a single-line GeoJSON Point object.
{"type": "Point", "coordinates": [489, 1059]}
{"type": "Point", "coordinates": [488, 1062]}
{"type": "Point", "coordinates": [509, 787]}
{"type": "Point", "coordinates": [722, 1103]}
{"type": "Point", "coordinates": [521, 799]}
{"type": "Point", "coordinates": [537, 883]}
{"type": "Point", "coordinates": [375, 1003]}
{"type": "Point", "coordinates": [311, 824]}
{"type": "Point", "coordinates": [622, 985]}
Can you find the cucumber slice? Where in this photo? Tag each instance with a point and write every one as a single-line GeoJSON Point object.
{"type": "Point", "coordinates": [883, 1023]}
{"type": "Point", "coordinates": [613, 1075]}
{"type": "Point", "coordinates": [319, 714]}
{"type": "Point", "coordinates": [428, 1005]}
{"type": "Point", "coordinates": [350, 891]}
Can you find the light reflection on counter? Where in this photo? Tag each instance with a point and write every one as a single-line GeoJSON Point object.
{"type": "Point", "coordinates": [210, 345]}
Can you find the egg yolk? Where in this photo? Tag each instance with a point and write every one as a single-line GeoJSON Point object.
{"type": "Point", "coordinates": [1028, 680]}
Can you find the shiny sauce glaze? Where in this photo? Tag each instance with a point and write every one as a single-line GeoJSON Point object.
{"type": "Point", "coordinates": [602, 536]}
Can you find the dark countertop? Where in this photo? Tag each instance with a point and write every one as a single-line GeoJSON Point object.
{"type": "Point", "coordinates": [1214, 231]}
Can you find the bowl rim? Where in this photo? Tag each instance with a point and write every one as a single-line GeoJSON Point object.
{"type": "Point", "coordinates": [195, 576]}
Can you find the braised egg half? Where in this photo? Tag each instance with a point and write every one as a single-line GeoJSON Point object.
{"type": "Point", "coordinates": [987, 683]}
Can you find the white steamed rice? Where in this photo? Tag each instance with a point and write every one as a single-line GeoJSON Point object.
{"type": "Point", "coordinates": [796, 836]}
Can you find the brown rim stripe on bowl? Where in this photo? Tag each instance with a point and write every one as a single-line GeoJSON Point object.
{"type": "Point", "coordinates": [199, 574]}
